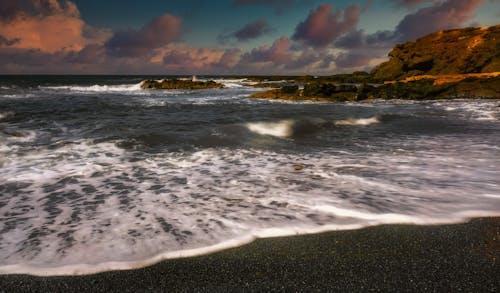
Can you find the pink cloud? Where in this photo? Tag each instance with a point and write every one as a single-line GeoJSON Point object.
{"type": "Point", "coordinates": [324, 25]}
{"type": "Point", "coordinates": [183, 59]}
{"type": "Point", "coordinates": [278, 53]}
{"type": "Point", "coordinates": [158, 33]}
{"type": "Point", "coordinates": [46, 25]}
{"type": "Point", "coordinates": [230, 58]}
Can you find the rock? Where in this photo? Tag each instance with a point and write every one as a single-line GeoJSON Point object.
{"type": "Point", "coordinates": [170, 84]}
{"type": "Point", "coordinates": [456, 51]}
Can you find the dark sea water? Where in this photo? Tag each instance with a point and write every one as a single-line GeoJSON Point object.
{"type": "Point", "coordinates": [97, 174]}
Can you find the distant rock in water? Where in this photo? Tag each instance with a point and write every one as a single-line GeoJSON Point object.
{"type": "Point", "coordinates": [456, 51]}
{"type": "Point", "coordinates": [172, 84]}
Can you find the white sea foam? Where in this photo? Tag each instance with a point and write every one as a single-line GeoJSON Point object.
{"type": "Point", "coordinates": [359, 121]}
{"type": "Point", "coordinates": [120, 213]}
{"type": "Point", "coordinates": [283, 128]}
{"type": "Point", "coordinates": [97, 88]}
{"type": "Point", "coordinates": [473, 109]}
{"type": "Point", "coordinates": [231, 83]}
{"type": "Point", "coordinates": [79, 206]}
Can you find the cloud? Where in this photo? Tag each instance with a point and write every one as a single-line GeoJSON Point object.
{"type": "Point", "coordinates": [46, 25]}
{"type": "Point", "coordinates": [92, 54]}
{"type": "Point", "coordinates": [11, 9]}
{"type": "Point", "coordinates": [359, 39]}
{"type": "Point", "coordinates": [352, 60]}
{"type": "Point", "coordinates": [278, 5]}
{"type": "Point", "coordinates": [306, 59]}
{"type": "Point", "coordinates": [441, 15]}
{"type": "Point", "coordinates": [409, 3]}
{"type": "Point", "coordinates": [8, 42]}
{"type": "Point", "coordinates": [324, 25]}
{"type": "Point", "coordinates": [278, 53]}
{"type": "Point", "coordinates": [229, 59]}
{"type": "Point", "coordinates": [248, 32]}
{"type": "Point", "coordinates": [135, 43]}
{"type": "Point", "coordinates": [252, 30]}
{"type": "Point", "coordinates": [179, 58]}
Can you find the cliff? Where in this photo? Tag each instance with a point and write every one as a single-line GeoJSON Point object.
{"type": "Point", "coordinates": [456, 51]}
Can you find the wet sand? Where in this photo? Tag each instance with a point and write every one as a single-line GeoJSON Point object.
{"type": "Point", "coordinates": [445, 258]}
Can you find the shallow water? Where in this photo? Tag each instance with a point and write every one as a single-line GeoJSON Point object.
{"type": "Point", "coordinates": [97, 174]}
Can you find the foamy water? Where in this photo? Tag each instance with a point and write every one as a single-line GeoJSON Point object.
{"type": "Point", "coordinates": [124, 180]}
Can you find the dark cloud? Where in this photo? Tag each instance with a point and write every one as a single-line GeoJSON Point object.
{"type": "Point", "coordinates": [252, 30]}
{"type": "Point", "coordinates": [327, 62]}
{"type": "Point", "coordinates": [91, 54]}
{"type": "Point", "coordinates": [132, 43]}
{"type": "Point", "coordinates": [278, 5]}
{"type": "Point", "coordinates": [278, 53]}
{"type": "Point", "coordinates": [409, 3]}
{"type": "Point", "coordinates": [10, 9]}
{"type": "Point", "coordinates": [359, 39]}
{"type": "Point", "coordinates": [8, 42]}
{"type": "Point", "coordinates": [441, 15]}
{"type": "Point", "coordinates": [324, 25]}
{"type": "Point", "coordinates": [178, 57]}
{"type": "Point", "coordinates": [248, 32]}
{"type": "Point", "coordinates": [28, 58]}
{"type": "Point", "coordinates": [352, 60]}
{"type": "Point", "coordinates": [305, 59]}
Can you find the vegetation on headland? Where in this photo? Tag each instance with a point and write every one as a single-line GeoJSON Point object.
{"type": "Point", "coordinates": [456, 51]}
{"type": "Point", "coordinates": [171, 84]}
{"type": "Point", "coordinates": [459, 63]}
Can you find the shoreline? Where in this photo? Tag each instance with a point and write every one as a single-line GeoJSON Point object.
{"type": "Point", "coordinates": [456, 257]}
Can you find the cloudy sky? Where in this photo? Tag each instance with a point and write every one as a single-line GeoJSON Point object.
{"type": "Point", "coordinates": [219, 36]}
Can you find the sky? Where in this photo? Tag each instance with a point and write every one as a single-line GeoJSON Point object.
{"type": "Point", "coordinates": [220, 37]}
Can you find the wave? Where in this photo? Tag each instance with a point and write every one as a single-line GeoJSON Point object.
{"type": "Point", "coordinates": [290, 127]}
{"type": "Point", "coordinates": [97, 88]}
{"type": "Point", "coordinates": [359, 121]}
{"type": "Point", "coordinates": [107, 193]}
{"type": "Point", "coordinates": [4, 115]}
{"type": "Point", "coordinates": [282, 128]}
{"type": "Point", "coordinates": [231, 83]}
{"type": "Point", "coordinates": [374, 220]}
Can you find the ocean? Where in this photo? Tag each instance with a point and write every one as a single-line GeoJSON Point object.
{"type": "Point", "coordinates": [97, 174]}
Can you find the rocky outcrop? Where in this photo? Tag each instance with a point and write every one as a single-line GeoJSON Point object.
{"type": "Point", "coordinates": [456, 51]}
{"type": "Point", "coordinates": [171, 84]}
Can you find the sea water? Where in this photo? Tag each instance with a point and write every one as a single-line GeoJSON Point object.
{"type": "Point", "coordinates": [97, 174]}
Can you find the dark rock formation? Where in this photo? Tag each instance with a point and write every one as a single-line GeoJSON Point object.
{"type": "Point", "coordinates": [457, 51]}
{"type": "Point", "coordinates": [171, 84]}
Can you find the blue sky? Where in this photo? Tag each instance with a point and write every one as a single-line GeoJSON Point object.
{"type": "Point", "coordinates": [220, 37]}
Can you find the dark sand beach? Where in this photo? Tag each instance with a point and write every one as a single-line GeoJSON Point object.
{"type": "Point", "coordinates": [442, 258]}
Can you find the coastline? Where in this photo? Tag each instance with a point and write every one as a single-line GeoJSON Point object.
{"type": "Point", "coordinates": [458, 257]}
